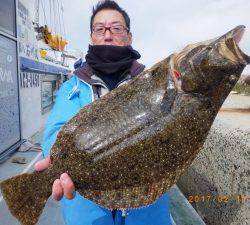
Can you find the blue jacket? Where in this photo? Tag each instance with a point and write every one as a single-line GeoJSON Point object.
{"type": "Point", "coordinates": [70, 98]}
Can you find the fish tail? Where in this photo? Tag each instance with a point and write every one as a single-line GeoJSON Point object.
{"type": "Point", "coordinates": [26, 195]}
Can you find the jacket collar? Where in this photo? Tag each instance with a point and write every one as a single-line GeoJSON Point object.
{"type": "Point", "coordinates": [86, 73]}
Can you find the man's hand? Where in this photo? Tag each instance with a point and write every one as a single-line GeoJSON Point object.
{"type": "Point", "coordinates": [63, 186]}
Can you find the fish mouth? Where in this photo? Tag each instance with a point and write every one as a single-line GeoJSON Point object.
{"type": "Point", "coordinates": [225, 50]}
{"type": "Point", "coordinates": [231, 49]}
{"type": "Point", "coordinates": [238, 32]}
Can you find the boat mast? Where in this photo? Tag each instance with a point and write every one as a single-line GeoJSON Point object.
{"type": "Point", "coordinates": [37, 3]}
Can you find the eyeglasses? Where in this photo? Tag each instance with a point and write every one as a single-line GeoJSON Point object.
{"type": "Point", "coordinates": [116, 29]}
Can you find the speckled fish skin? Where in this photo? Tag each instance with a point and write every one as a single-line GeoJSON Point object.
{"type": "Point", "coordinates": [128, 148]}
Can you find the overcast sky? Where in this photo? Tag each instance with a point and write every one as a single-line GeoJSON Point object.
{"type": "Point", "coordinates": [161, 27]}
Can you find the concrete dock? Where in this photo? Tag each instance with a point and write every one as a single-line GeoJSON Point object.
{"type": "Point", "coordinates": [219, 176]}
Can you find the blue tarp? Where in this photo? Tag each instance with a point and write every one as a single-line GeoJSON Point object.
{"type": "Point", "coordinates": [29, 65]}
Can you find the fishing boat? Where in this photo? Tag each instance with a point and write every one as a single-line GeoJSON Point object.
{"type": "Point", "coordinates": [34, 62]}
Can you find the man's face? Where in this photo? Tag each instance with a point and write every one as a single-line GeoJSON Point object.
{"type": "Point", "coordinates": [110, 18]}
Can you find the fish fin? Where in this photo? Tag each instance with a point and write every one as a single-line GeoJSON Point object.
{"type": "Point", "coordinates": [25, 196]}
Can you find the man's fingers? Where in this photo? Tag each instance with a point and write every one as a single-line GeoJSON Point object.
{"type": "Point", "coordinates": [62, 186]}
{"type": "Point", "coordinates": [42, 164]}
{"type": "Point", "coordinates": [57, 190]}
{"type": "Point", "coordinates": [68, 186]}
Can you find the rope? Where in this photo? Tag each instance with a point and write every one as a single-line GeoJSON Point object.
{"type": "Point", "coordinates": [45, 19]}
{"type": "Point", "coordinates": [64, 30]}
{"type": "Point", "coordinates": [50, 14]}
{"type": "Point", "coordinates": [54, 9]}
{"type": "Point", "coordinates": [60, 30]}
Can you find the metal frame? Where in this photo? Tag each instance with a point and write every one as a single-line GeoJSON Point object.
{"type": "Point", "coordinates": [18, 69]}
{"type": "Point", "coordinates": [5, 32]}
{"type": "Point", "coordinates": [4, 155]}
{"type": "Point", "coordinates": [8, 35]}
{"type": "Point", "coordinates": [42, 79]}
{"type": "Point", "coordinates": [32, 70]}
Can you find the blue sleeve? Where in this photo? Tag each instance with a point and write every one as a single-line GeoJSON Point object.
{"type": "Point", "coordinates": [63, 110]}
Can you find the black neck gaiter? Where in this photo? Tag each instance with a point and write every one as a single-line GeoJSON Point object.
{"type": "Point", "coordinates": [111, 63]}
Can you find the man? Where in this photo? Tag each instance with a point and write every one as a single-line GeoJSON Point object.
{"type": "Point", "coordinates": [110, 62]}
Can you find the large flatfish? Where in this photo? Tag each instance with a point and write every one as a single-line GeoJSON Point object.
{"type": "Point", "coordinates": [129, 147]}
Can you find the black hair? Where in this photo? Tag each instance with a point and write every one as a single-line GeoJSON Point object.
{"type": "Point", "coordinates": [108, 4]}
